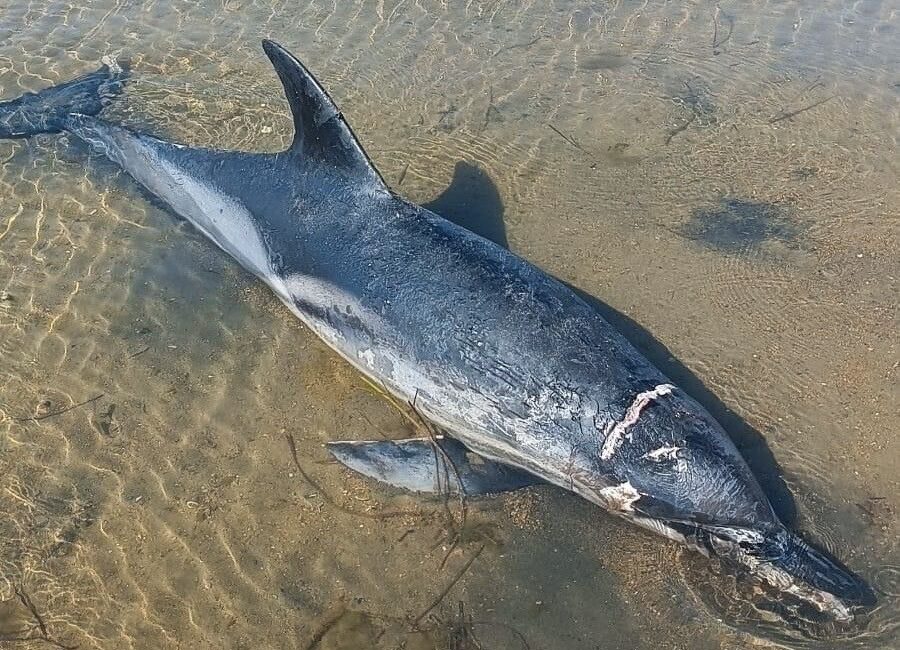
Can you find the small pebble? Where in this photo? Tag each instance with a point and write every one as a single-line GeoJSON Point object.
{"type": "Point", "coordinates": [43, 407]}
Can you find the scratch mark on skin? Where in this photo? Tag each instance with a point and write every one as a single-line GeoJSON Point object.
{"type": "Point", "coordinates": [617, 433]}
{"type": "Point", "coordinates": [668, 452]}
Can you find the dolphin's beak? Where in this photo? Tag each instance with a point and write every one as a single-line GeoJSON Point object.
{"type": "Point", "coordinates": [806, 580]}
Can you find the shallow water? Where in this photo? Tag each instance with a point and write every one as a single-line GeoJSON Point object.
{"type": "Point", "coordinates": [723, 177]}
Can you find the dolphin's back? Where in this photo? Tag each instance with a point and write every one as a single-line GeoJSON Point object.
{"type": "Point", "coordinates": [485, 343]}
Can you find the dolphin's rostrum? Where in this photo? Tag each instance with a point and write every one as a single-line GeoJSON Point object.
{"type": "Point", "coordinates": [527, 380]}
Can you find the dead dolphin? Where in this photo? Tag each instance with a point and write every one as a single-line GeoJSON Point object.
{"type": "Point", "coordinates": [527, 381]}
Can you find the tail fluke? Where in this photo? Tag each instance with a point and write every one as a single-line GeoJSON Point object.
{"type": "Point", "coordinates": [47, 110]}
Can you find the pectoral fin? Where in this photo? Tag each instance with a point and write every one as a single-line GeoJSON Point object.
{"type": "Point", "coordinates": [416, 464]}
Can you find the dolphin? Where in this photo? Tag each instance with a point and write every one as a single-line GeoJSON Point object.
{"type": "Point", "coordinates": [522, 379]}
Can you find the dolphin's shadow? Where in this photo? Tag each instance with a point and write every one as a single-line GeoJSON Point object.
{"type": "Point", "coordinates": [473, 201]}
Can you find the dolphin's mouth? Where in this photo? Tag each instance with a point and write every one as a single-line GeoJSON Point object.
{"type": "Point", "coordinates": [804, 585]}
{"type": "Point", "coordinates": [779, 572]}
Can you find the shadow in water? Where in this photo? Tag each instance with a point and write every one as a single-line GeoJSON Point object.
{"type": "Point", "coordinates": [473, 202]}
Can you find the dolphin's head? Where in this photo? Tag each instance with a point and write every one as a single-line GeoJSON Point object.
{"type": "Point", "coordinates": [805, 584]}
{"type": "Point", "coordinates": [806, 587]}
{"type": "Point", "coordinates": [686, 480]}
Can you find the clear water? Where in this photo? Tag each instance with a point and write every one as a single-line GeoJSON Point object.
{"type": "Point", "coordinates": [723, 177]}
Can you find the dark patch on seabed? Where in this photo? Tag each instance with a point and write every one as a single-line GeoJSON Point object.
{"type": "Point", "coordinates": [737, 226]}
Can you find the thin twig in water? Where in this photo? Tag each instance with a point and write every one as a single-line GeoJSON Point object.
{"type": "Point", "coordinates": [418, 422]}
{"type": "Point", "coordinates": [515, 46]}
{"type": "Point", "coordinates": [25, 599]}
{"type": "Point", "coordinates": [442, 481]}
{"type": "Point", "coordinates": [327, 498]}
{"type": "Point", "coordinates": [450, 585]}
{"type": "Point", "coordinates": [490, 107]}
{"type": "Point", "coordinates": [715, 29]}
{"type": "Point", "coordinates": [330, 621]}
{"type": "Point", "coordinates": [567, 138]}
{"type": "Point", "coordinates": [448, 462]}
{"type": "Point", "coordinates": [36, 418]}
{"type": "Point", "coordinates": [816, 83]}
{"type": "Point", "coordinates": [139, 352]}
{"type": "Point", "coordinates": [403, 175]}
{"type": "Point", "coordinates": [690, 100]}
{"type": "Point", "coordinates": [681, 127]}
{"type": "Point", "coordinates": [29, 604]}
{"type": "Point", "coordinates": [450, 550]}
{"type": "Point", "coordinates": [786, 116]}
{"type": "Point", "coordinates": [506, 626]}
{"type": "Point", "coordinates": [715, 42]}
{"type": "Point", "coordinates": [461, 634]}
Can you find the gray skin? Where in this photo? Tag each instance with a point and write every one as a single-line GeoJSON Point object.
{"type": "Point", "coordinates": [491, 350]}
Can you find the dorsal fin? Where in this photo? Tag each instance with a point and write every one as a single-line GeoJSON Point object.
{"type": "Point", "coordinates": [320, 132]}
